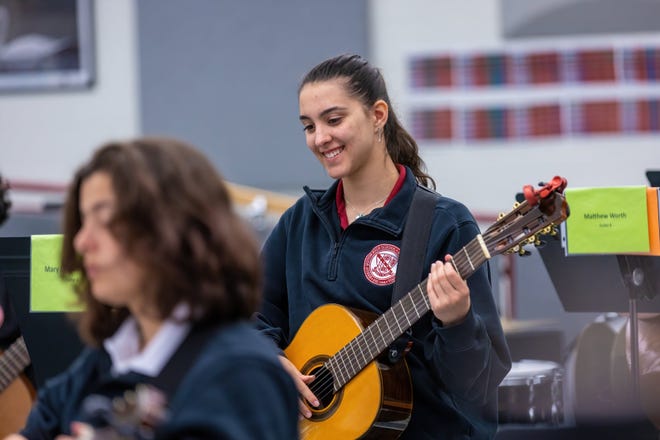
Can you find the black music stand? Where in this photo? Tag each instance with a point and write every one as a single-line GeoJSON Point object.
{"type": "Point", "coordinates": [605, 283]}
{"type": "Point", "coordinates": [653, 176]}
{"type": "Point", "coordinates": [50, 337]}
{"type": "Point", "coordinates": [639, 276]}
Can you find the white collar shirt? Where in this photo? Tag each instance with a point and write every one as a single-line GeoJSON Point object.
{"type": "Point", "coordinates": [124, 350]}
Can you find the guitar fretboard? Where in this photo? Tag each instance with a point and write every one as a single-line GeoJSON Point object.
{"type": "Point", "coordinates": [12, 362]}
{"type": "Point", "coordinates": [365, 347]}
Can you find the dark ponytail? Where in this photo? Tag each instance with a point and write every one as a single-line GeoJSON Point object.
{"type": "Point", "coordinates": [367, 84]}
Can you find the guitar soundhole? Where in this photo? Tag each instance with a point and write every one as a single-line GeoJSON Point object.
{"type": "Point", "coordinates": [322, 386]}
{"type": "Point", "coordinates": [323, 389]}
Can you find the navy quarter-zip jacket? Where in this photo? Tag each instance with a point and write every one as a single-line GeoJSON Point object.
{"type": "Point", "coordinates": [309, 260]}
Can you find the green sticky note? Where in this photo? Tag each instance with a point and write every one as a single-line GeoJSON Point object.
{"type": "Point", "coordinates": [610, 220]}
{"type": "Point", "coordinates": [48, 292]}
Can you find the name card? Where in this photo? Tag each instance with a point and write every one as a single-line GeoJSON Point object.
{"type": "Point", "coordinates": [610, 220]}
{"type": "Point", "coordinates": [48, 291]}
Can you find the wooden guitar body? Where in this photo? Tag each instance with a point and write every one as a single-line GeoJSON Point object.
{"type": "Point", "coordinates": [15, 404]}
{"type": "Point", "coordinates": [376, 403]}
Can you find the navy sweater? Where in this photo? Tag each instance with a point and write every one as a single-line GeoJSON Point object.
{"type": "Point", "coordinates": [310, 261]}
{"type": "Point", "coordinates": [235, 388]}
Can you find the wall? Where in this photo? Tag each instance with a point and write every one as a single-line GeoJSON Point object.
{"type": "Point", "coordinates": [45, 136]}
{"type": "Point", "coordinates": [224, 76]}
{"type": "Point", "coordinates": [487, 175]}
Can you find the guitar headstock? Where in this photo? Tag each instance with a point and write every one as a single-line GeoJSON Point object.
{"type": "Point", "coordinates": [135, 414]}
{"type": "Point", "coordinates": [542, 210]}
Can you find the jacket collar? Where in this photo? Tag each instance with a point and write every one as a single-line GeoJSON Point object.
{"type": "Point", "coordinates": [390, 218]}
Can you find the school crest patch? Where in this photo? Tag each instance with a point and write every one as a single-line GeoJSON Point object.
{"type": "Point", "coordinates": [381, 263]}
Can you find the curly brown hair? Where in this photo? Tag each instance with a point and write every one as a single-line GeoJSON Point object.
{"type": "Point", "coordinates": [175, 218]}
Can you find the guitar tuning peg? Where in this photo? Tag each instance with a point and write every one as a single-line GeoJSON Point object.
{"type": "Point", "coordinates": [516, 204]}
{"type": "Point", "coordinates": [524, 252]}
{"type": "Point", "coordinates": [537, 241]}
{"type": "Point", "coordinates": [500, 215]}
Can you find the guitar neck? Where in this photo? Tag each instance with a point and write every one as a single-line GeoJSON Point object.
{"type": "Point", "coordinates": [12, 362]}
{"type": "Point", "coordinates": [365, 347]}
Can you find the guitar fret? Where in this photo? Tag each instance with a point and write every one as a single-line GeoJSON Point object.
{"type": "Point", "coordinates": [24, 357]}
{"type": "Point", "coordinates": [468, 258]}
{"type": "Point", "coordinates": [12, 362]}
{"type": "Point", "coordinates": [473, 255]}
{"type": "Point", "coordinates": [350, 360]}
{"type": "Point", "coordinates": [425, 299]}
{"type": "Point", "coordinates": [341, 369]}
{"type": "Point", "coordinates": [335, 371]}
{"type": "Point", "coordinates": [5, 379]}
{"type": "Point", "coordinates": [367, 345]}
{"type": "Point", "coordinates": [17, 352]}
{"type": "Point", "coordinates": [419, 287]}
{"type": "Point", "coordinates": [464, 261]}
{"type": "Point", "coordinates": [407, 311]}
{"type": "Point", "coordinates": [15, 366]}
{"type": "Point", "coordinates": [379, 331]}
{"type": "Point", "coordinates": [364, 359]}
{"type": "Point", "coordinates": [330, 365]}
{"type": "Point", "coordinates": [397, 323]}
{"type": "Point", "coordinates": [353, 358]}
{"type": "Point", "coordinates": [389, 327]}
{"type": "Point", "coordinates": [374, 347]}
{"type": "Point", "coordinates": [376, 343]}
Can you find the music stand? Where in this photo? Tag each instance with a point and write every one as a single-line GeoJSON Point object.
{"type": "Point", "coordinates": [638, 274]}
{"type": "Point", "coordinates": [653, 176]}
{"type": "Point", "coordinates": [50, 337]}
{"type": "Point", "coordinates": [605, 283]}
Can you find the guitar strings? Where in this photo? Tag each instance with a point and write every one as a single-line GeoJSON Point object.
{"type": "Point", "coordinates": [538, 226]}
{"type": "Point", "coordinates": [319, 386]}
{"type": "Point", "coordinates": [323, 385]}
{"type": "Point", "coordinates": [416, 301]}
{"type": "Point", "coordinates": [415, 306]}
{"type": "Point", "coordinates": [12, 362]}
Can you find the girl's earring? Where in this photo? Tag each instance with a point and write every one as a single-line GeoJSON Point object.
{"type": "Point", "coordinates": [380, 135]}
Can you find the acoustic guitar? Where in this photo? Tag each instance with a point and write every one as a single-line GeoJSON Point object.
{"type": "Point", "coordinates": [16, 390]}
{"type": "Point", "coordinates": [361, 397]}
